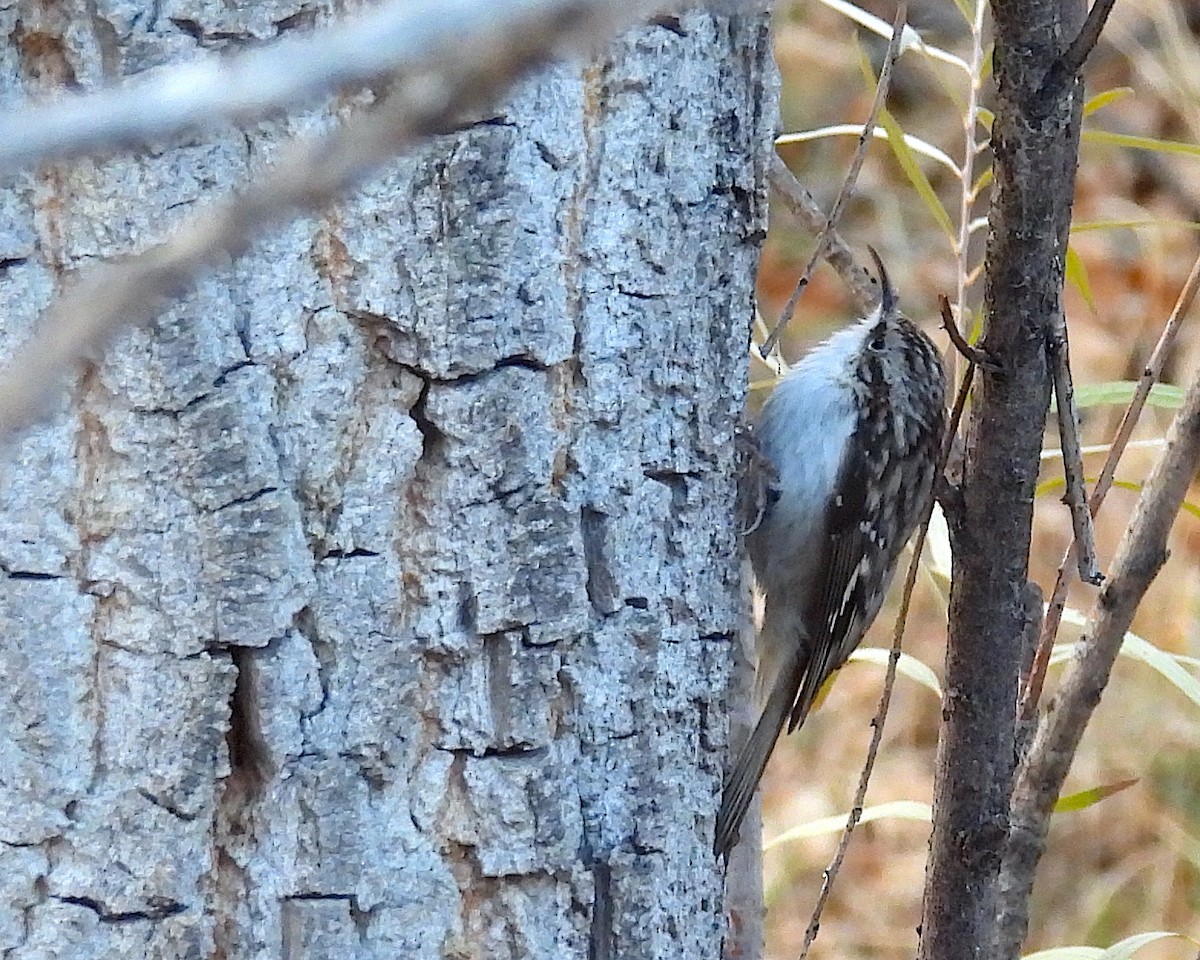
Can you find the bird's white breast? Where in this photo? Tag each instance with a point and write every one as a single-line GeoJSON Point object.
{"type": "Point", "coordinates": [804, 429]}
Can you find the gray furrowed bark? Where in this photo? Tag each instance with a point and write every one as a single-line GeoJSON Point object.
{"type": "Point", "coordinates": [377, 600]}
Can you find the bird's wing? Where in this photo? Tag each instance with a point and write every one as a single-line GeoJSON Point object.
{"type": "Point", "coordinates": [852, 556]}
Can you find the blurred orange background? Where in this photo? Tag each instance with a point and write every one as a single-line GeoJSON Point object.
{"type": "Point", "coordinates": [1132, 862]}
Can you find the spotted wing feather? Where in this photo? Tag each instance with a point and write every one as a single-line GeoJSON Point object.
{"type": "Point", "coordinates": [882, 490]}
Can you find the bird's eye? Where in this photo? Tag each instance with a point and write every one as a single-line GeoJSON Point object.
{"type": "Point", "coordinates": [877, 342]}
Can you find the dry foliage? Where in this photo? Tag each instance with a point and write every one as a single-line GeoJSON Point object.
{"type": "Point", "coordinates": [1131, 863]}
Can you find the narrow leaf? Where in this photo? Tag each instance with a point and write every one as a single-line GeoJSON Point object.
{"type": "Point", "coordinates": [1126, 948]}
{"type": "Point", "coordinates": [912, 170]}
{"type": "Point", "coordinates": [1164, 395]}
{"type": "Point", "coordinates": [1055, 484]}
{"type": "Point", "coordinates": [1122, 950]}
{"type": "Point", "coordinates": [1152, 144]}
{"type": "Point", "coordinates": [1165, 663]}
{"type": "Point", "coordinates": [1089, 798]}
{"type": "Point", "coordinates": [1077, 274]}
{"type": "Point", "coordinates": [1045, 487]}
{"type": "Point", "coordinates": [1144, 224]}
{"type": "Point", "coordinates": [1104, 98]}
{"type": "Point", "coordinates": [909, 38]}
{"type": "Point", "coordinates": [1156, 443]}
{"type": "Point", "coordinates": [989, 61]}
{"type": "Point", "coordinates": [982, 182]}
{"type": "Point", "coordinates": [1168, 665]}
{"type": "Point", "coordinates": [916, 144]}
{"type": "Point", "coordinates": [907, 666]}
{"type": "Point", "coordinates": [896, 810]}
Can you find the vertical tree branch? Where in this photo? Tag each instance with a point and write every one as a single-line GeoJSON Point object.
{"type": "Point", "coordinates": [1035, 142]}
{"type": "Point", "coordinates": [1068, 431]}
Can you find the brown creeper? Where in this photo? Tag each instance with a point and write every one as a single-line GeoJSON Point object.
{"type": "Point", "coordinates": [853, 432]}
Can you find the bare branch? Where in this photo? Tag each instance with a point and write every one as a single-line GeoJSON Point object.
{"type": "Point", "coordinates": [461, 70]}
{"type": "Point", "coordinates": [1071, 62]}
{"type": "Point", "coordinates": [804, 208]}
{"type": "Point", "coordinates": [1150, 375]}
{"type": "Point", "coordinates": [881, 89]}
{"type": "Point", "coordinates": [972, 355]}
{"type": "Point", "coordinates": [396, 36]}
{"type": "Point", "coordinates": [1068, 431]}
{"type": "Point", "coordinates": [1140, 556]}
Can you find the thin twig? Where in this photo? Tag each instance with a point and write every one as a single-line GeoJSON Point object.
{"type": "Point", "coordinates": [807, 211]}
{"type": "Point", "coordinates": [881, 89]}
{"type": "Point", "coordinates": [464, 71]}
{"type": "Point", "coordinates": [1150, 375]}
{"type": "Point", "coordinates": [967, 169]}
{"type": "Point", "coordinates": [889, 680]}
{"type": "Point", "coordinates": [968, 352]}
{"type": "Point", "coordinates": [1072, 59]}
{"type": "Point", "coordinates": [1068, 432]}
{"type": "Point", "coordinates": [775, 362]}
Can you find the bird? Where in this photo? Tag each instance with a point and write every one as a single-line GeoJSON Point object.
{"type": "Point", "coordinates": [851, 438]}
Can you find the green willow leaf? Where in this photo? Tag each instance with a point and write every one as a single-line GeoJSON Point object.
{"type": "Point", "coordinates": [1077, 274]}
{"type": "Point", "coordinates": [1089, 798]}
{"type": "Point", "coordinates": [1152, 144]}
{"type": "Point", "coordinates": [1164, 395]}
{"type": "Point", "coordinates": [914, 173]}
{"type": "Point", "coordinates": [1104, 98]}
{"type": "Point", "coordinates": [1089, 225]}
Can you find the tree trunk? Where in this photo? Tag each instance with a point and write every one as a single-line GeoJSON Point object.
{"type": "Point", "coordinates": [379, 600]}
{"type": "Point", "coordinates": [993, 610]}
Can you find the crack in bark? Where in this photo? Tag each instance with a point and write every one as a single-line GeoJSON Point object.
{"type": "Point", "coordinates": [236, 806]}
{"type": "Point", "coordinates": [30, 574]}
{"type": "Point", "coordinates": [354, 554]}
{"type": "Point", "coordinates": [243, 500]}
{"type": "Point", "coordinates": [166, 805]}
{"type": "Point", "coordinates": [601, 586]}
{"type": "Point", "coordinates": [159, 909]}
{"type": "Point", "coordinates": [600, 940]}
{"type": "Point", "coordinates": [324, 652]}
{"type": "Point", "coordinates": [248, 758]}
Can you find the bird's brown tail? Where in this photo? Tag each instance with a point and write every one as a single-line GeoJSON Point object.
{"type": "Point", "coordinates": [752, 759]}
